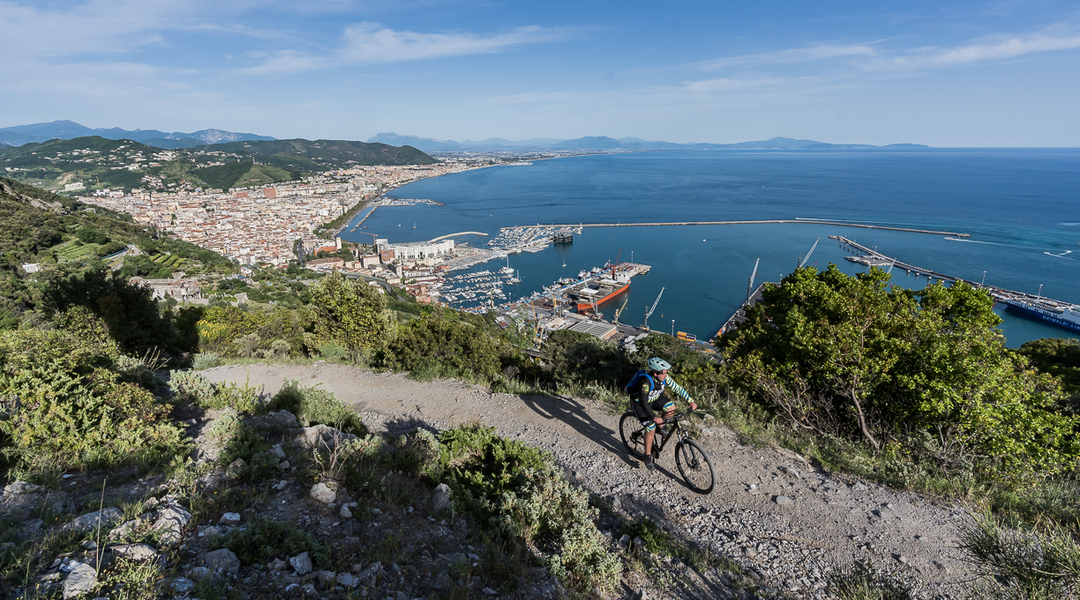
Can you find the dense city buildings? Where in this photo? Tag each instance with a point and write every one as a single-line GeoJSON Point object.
{"type": "Point", "coordinates": [261, 225]}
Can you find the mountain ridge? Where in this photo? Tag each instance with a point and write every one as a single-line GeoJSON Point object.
{"type": "Point", "coordinates": [605, 143]}
{"type": "Point", "coordinates": [19, 135]}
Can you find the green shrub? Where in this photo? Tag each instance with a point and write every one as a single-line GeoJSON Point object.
{"type": "Point", "coordinates": [241, 397]}
{"type": "Point", "coordinates": [485, 466]}
{"type": "Point", "coordinates": [520, 491]}
{"type": "Point", "coordinates": [312, 404]}
{"type": "Point", "coordinates": [264, 539]}
{"type": "Point", "coordinates": [437, 346]}
{"type": "Point", "coordinates": [71, 411]}
{"type": "Point", "coordinates": [1029, 564]}
{"type": "Point", "coordinates": [332, 350]}
{"type": "Point", "coordinates": [241, 440]}
{"type": "Point", "coordinates": [205, 360]}
{"type": "Point", "coordinates": [192, 387]}
{"type": "Point", "coordinates": [862, 580]}
{"type": "Point", "coordinates": [141, 371]}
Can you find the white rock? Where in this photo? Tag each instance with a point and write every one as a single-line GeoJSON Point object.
{"type": "Point", "coordinates": [171, 522]}
{"type": "Point", "coordinates": [277, 451]}
{"type": "Point", "coordinates": [182, 585]}
{"type": "Point", "coordinates": [347, 580]}
{"type": "Point", "coordinates": [136, 552]}
{"type": "Point", "coordinates": [231, 519]}
{"type": "Point", "coordinates": [198, 573]}
{"type": "Point", "coordinates": [322, 493]}
{"type": "Point", "coordinates": [345, 513]}
{"type": "Point", "coordinates": [440, 498]}
{"type": "Point", "coordinates": [220, 561]}
{"type": "Point", "coordinates": [21, 487]}
{"type": "Point", "coordinates": [301, 563]}
{"type": "Point", "coordinates": [106, 517]}
{"type": "Point", "coordinates": [209, 531]}
{"type": "Point", "coordinates": [82, 579]}
{"type": "Point", "coordinates": [326, 578]}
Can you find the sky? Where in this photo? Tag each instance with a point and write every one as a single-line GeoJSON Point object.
{"type": "Point", "coordinates": [955, 74]}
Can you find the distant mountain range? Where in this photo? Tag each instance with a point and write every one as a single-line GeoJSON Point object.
{"type": "Point", "coordinates": [602, 143]}
{"type": "Point", "coordinates": [67, 130]}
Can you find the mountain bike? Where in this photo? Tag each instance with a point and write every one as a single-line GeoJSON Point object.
{"type": "Point", "coordinates": [694, 465]}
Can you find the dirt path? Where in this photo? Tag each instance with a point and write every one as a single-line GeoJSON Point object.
{"type": "Point", "coordinates": [770, 511]}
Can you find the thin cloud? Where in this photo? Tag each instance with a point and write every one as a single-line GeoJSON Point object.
{"type": "Point", "coordinates": [807, 54]}
{"type": "Point", "coordinates": [876, 56]}
{"type": "Point", "coordinates": [1009, 48]}
{"type": "Point", "coordinates": [368, 42]}
{"type": "Point", "coordinates": [285, 62]}
{"type": "Point", "coordinates": [727, 84]}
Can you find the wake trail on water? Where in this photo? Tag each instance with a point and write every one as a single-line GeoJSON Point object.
{"type": "Point", "coordinates": [1062, 255]}
{"type": "Point", "coordinates": [970, 241]}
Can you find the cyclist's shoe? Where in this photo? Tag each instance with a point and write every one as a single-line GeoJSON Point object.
{"type": "Point", "coordinates": [649, 463]}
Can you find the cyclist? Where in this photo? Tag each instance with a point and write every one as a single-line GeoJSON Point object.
{"type": "Point", "coordinates": [647, 399]}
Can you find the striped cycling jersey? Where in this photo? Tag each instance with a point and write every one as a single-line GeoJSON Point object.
{"type": "Point", "coordinates": [650, 394]}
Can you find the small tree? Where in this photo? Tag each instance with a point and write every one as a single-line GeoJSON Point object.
{"type": "Point", "coordinates": [350, 312]}
{"type": "Point", "coordinates": [831, 353]}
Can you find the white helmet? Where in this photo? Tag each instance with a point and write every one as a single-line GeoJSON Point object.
{"type": "Point", "coordinates": [657, 364]}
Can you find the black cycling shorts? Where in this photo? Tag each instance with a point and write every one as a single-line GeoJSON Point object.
{"type": "Point", "coordinates": [660, 407]}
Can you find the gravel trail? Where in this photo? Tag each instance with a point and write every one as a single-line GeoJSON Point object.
{"type": "Point", "coordinates": [771, 511]}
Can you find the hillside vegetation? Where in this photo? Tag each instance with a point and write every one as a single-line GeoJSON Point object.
{"type": "Point", "coordinates": [61, 237]}
{"type": "Point", "coordinates": [100, 163]}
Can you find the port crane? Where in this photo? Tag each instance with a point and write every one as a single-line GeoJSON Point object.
{"type": "Point", "coordinates": [750, 286]}
{"type": "Point", "coordinates": [651, 309]}
{"type": "Point", "coordinates": [803, 260]}
{"type": "Point", "coordinates": [619, 312]}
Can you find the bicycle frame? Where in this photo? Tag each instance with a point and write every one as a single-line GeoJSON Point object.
{"type": "Point", "coordinates": [661, 440]}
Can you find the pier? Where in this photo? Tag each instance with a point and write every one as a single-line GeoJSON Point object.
{"type": "Point", "coordinates": [740, 313]}
{"type": "Point", "coordinates": [767, 222]}
{"type": "Point", "coordinates": [873, 258]}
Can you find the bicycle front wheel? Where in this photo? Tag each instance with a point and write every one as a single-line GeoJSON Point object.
{"type": "Point", "coordinates": [632, 434]}
{"type": "Point", "coordinates": [695, 466]}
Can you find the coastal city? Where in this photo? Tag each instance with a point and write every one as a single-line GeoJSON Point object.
{"type": "Point", "coordinates": [272, 225]}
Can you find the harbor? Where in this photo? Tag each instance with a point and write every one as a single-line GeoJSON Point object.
{"type": "Point", "coordinates": [1056, 312]}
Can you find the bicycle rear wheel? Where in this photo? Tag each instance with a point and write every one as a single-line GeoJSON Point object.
{"type": "Point", "coordinates": [632, 434]}
{"type": "Point", "coordinates": [695, 466]}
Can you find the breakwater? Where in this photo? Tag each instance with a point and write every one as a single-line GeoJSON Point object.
{"type": "Point", "coordinates": [765, 222]}
{"type": "Point", "coordinates": [873, 258]}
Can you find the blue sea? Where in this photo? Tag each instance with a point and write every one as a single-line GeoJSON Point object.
{"type": "Point", "coordinates": [1021, 208]}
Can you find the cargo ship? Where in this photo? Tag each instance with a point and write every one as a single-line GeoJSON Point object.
{"type": "Point", "coordinates": [596, 291]}
{"type": "Point", "coordinates": [1066, 316]}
